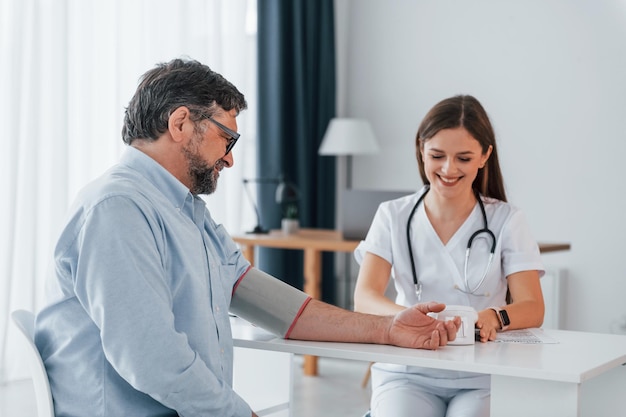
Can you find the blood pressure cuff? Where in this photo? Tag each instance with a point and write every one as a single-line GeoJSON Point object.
{"type": "Point", "coordinates": [267, 302]}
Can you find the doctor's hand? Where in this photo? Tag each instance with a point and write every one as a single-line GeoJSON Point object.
{"type": "Point", "coordinates": [413, 328]}
{"type": "Point", "coordinates": [488, 325]}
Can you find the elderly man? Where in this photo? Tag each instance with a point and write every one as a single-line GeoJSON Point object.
{"type": "Point", "coordinates": [136, 321]}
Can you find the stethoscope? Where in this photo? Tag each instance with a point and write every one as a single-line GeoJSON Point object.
{"type": "Point", "coordinates": [485, 229]}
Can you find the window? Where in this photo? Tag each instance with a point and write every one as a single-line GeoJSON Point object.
{"type": "Point", "coordinates": [68, 70]}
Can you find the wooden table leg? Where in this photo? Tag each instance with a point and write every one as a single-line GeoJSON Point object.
{"type": "Point", "coordinates": [248, 253]}
{"type": "Point", "coordinates": [312, 286]}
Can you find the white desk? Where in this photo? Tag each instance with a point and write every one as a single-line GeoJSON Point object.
{"type": "Point", "coordinates": [580, 376]}
{"type": "Point", "coordinates": [314, 242]}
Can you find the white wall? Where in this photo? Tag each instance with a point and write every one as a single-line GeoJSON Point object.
{"type": "Point", "coordinates": [552, 76]}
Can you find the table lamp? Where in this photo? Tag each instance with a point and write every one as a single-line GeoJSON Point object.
{"type": "Point", "coordinates": [345, 137]}
{"type": "Point", "coordinates": [287, 196]}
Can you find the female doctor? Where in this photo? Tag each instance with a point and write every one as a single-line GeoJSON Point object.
{"type": "Point", "coordinates": [420, 241]}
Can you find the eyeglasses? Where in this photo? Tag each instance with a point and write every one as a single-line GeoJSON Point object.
{"type": "Point", "coordinates": [234, 136]}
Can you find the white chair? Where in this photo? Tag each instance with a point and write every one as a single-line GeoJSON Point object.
{"type": "Point", "coordinates": [25, 321]}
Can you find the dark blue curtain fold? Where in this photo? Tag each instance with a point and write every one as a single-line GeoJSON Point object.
{"type": "Point", "coordinates": [296, 79]}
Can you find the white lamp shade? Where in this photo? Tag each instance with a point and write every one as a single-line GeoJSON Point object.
{"type": "Point", "coordinates": [348, 137]}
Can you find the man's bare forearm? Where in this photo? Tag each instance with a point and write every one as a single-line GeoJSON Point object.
{"type": "Point", "coordinates": [408, 328]}
{"type": "Point", "coordinates": [321, 321]}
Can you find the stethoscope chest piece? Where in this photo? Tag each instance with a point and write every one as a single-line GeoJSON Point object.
{"type": "Point", "coordinates": [418, 291]}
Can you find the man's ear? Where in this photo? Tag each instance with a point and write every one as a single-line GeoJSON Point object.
{"type": "Point", "coordinates": [179, 124]}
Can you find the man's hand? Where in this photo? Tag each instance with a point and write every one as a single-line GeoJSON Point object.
{"type": "Point", "coordinates": [413, 328]}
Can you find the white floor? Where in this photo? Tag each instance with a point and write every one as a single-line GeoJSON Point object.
{"type": "Point", "coordinates": [335, 392]}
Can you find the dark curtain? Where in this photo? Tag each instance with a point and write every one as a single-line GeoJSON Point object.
{"type": "Point", "coordinates": [296, 56]}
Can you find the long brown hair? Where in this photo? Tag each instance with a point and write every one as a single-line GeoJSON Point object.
{"type": "Point", "coordinates": [467, 112]}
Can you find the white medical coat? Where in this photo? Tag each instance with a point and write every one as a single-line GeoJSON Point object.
{"type": "Point", "coordinates": [440, 267]}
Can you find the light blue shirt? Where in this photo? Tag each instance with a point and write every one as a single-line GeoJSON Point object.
{"type": "Point", "coordinates": [136, 321]}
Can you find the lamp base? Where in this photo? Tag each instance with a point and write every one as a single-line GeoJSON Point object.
{"type": "Point", "coordinates": [259, 230]}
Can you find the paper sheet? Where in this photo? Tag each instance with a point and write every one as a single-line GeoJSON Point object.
{"type": "Point", "coordinates": [525, 336]}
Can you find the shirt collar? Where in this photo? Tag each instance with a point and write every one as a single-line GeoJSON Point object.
{"type": "Point", "coordinates": [174, 190]}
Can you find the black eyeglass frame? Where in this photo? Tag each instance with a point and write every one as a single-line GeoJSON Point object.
{"type": "Point", "coordinates": [234, 136]}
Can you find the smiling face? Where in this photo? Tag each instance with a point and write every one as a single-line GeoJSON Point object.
{"type": "Point", "coordinates": [460, 124]}
{"type": "Point", "coordinates": [452, 158]}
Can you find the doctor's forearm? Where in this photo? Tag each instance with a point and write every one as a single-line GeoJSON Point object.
{"type": "Point", "coordinates": [522, 314]}
{"type": "Point", "coordinates": [527, 308]}
{"type": "Point", "coordinates": [525, 314]}
{"type": "Point", "coordinates": [372, 303]}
